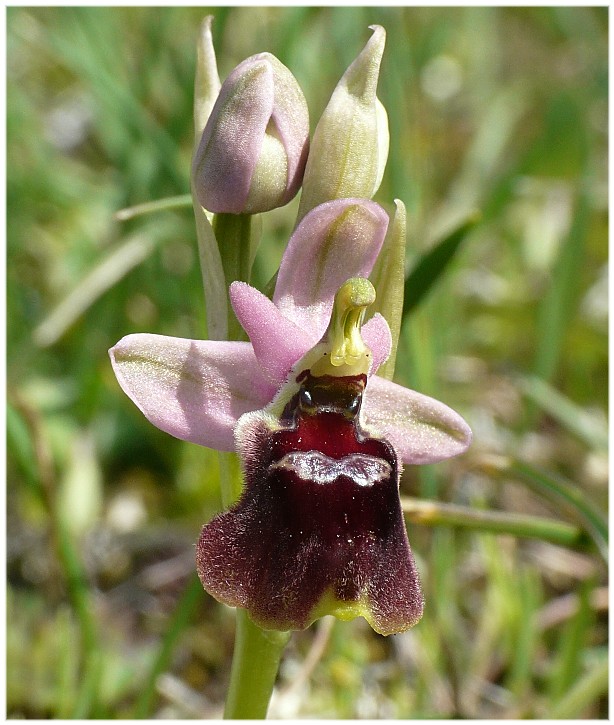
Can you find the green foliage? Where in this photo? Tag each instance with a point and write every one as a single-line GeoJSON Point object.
{"type": "Point", "coordinates": [432, 265]}
{"type": "Point", "coordinates": [498, 109]}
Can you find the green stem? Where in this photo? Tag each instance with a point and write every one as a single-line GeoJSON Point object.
{"type": "Point", "coordinates": [231, 243]}
{"type": "Point", "coordinates": [87, 697]}
{"type": "Point", "coordinates": [233, 232]}
{"type": "Point", "coordinates": [432, 513]}
{"type": "Point", "coordinates": [583, 693]}
{"type": "Point", "coordinates": [237, 241]}
{"type": "Point", "coordinates": [254, 669]}
{"type": "Point", "coordinates": [556, 489]}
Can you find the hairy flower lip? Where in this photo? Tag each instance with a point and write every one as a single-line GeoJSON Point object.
{"type": "Point", "coordinates": [338, 544]}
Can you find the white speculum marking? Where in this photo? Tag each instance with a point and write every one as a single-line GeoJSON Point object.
{"type": "Point", "coordinates": [319, 468]}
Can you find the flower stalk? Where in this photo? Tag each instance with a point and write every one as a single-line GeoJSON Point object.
{"type": "Point", "coordinates": [255, 663]}
{"type": "Point", "coordinates": [436, 513]}
{"type": "Point", "coordinates": [238, 236]}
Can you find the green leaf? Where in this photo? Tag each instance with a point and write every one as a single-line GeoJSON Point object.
{"type": "Point", "coordinates": [559, 491]}
{"type": "Point", "coordinates": [100, 279]}
{"type": "Point", "coordinates": [178, 623]}
{"type": "Point", "coordinates": [577, 420]}
{"type": "Point", "coordinates": [567, 663]}
{"type": "Point", "coordinates": [21, 446]}
{"type": "Point", "coordinates": [431, 266]}
{"type": "Point", "coordinates": [584, 692]}
{"type": "Point", "coordinates": [435, 513]}
{"type": "Point", "coordinates": [558, 304]}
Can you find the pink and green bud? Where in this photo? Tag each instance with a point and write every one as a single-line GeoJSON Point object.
{"type": "Point", "coordinates": [251, 156]}
{"type": "Point", "coordinates": [349, 149]}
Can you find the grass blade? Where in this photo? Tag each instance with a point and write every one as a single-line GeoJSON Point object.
{"type": "Point", "coordinates": [431, 266]}
{"type": "Point", "coordinates": [433, 513]}
{"type": "Point", "coordinates": [149, 207]}
{"type": "Point", "coordinates": [576, 419]}
{"type": "Point", "coordinates": [191, 597]}
{"type": "Point", "coordinates": [100, 279]}
{"type": "Point", "coordinates": [557, 307]}
{"type": "Point", "coordinates": [586, 690]}
{"type": "Point", "coordinates": [567, 663]}
{"type": "Point", "coordinates": [559, 491]}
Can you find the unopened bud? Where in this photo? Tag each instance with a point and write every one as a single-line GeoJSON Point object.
{"type": "Point", "coordinates": [350, 145]}
{"type": "Point", "coordinates": [253, 149]}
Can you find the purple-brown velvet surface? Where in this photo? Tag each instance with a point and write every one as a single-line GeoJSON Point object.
{"type": "Point", "coordinates": [320, 514]}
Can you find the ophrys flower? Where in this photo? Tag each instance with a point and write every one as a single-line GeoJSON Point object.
{"type": "Point", "coordinates": [319, 527]}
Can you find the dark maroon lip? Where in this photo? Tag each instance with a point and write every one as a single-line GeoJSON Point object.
{"type": "Point", "coordinates": [320, 513]}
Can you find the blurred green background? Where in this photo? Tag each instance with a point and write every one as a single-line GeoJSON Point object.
{"type": "Point", "coordinates": [499, 109]}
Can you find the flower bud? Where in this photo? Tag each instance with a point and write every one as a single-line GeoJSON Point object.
{"type": "Point", "coordinates": [350, 145]}
{"type": "Point", "coordinates": [253, 149]}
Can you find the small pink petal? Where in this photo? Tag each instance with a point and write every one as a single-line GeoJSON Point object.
{"type": "Point", "coordinates": [195, 390]}
{"type": "Point", "coordinates": [421, 429]}
{"type": "Point", "coordinates": [378, 339]}
{"type": "Point", "coordinates": [335, 241]}
{"type": "Point", "coordinates": [278, 343]}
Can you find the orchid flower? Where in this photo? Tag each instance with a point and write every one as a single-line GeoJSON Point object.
{"type": "Point", "coordinates": [318, 528]}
